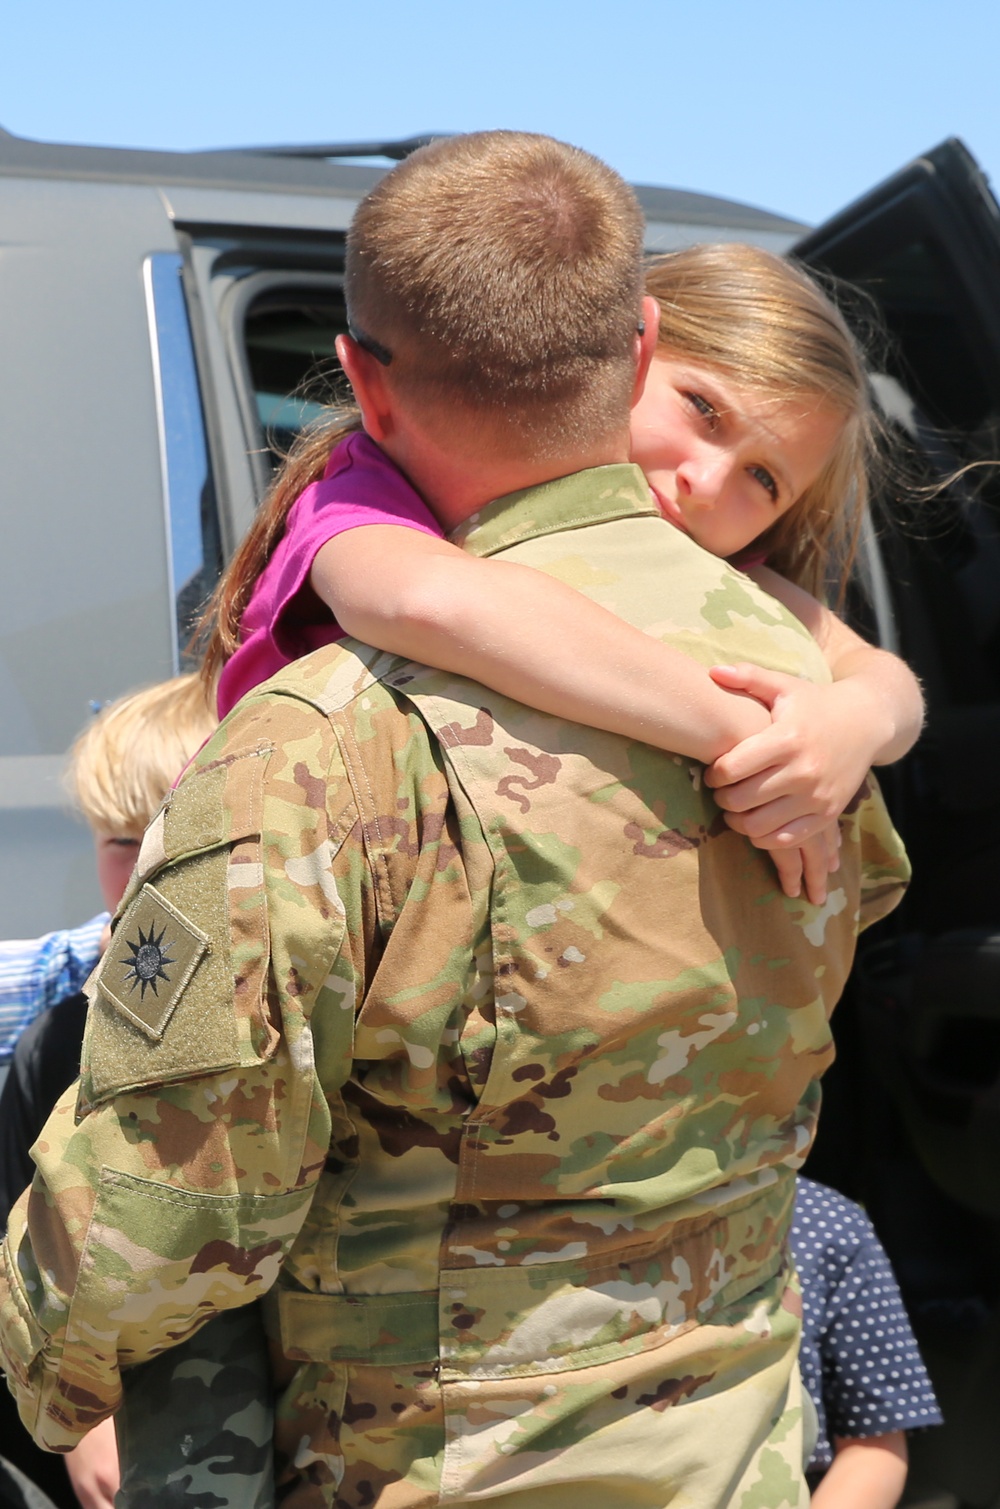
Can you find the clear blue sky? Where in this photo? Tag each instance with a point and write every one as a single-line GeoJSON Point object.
{"type": "Point", "coordinates": [793, 105]}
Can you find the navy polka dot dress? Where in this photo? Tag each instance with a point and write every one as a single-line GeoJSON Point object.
{"type": "Point", "coordinates": [859, 1357]}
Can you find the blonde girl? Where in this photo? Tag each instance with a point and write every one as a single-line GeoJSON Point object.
{"type": "Point", "coordinates": [755, 433]}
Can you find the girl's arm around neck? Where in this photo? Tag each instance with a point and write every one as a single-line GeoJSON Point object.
{"type": "Point", "coordinates": [531, 637]}
{"type": "Point", "coordinates": [528, 636]}
{"type": "Point", "coordinates": [867, 1472]}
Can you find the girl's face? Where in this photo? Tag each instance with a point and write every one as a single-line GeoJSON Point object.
{"type": "Point", "coordinates": [725, 462]}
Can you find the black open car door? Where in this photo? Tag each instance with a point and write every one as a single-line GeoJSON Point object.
{"type": "Point", "coordinates": [925, 249]}
{"type": "Point", "coordinates": [926, 246]}
{"type": "Point", "coordinates": [914, 1105]}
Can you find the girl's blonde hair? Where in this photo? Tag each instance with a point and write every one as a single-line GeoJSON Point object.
{"type": "Point", "coordinates": [128, 757]}
{"type": "Point", "coordinates": [764, 324]}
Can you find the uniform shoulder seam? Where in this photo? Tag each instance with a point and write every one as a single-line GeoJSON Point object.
{"type": "Point", "coordinates": [332, 683]}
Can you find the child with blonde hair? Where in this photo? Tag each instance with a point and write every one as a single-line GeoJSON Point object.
{"type": "Point", "coordinates": [113, 792]}
{"type": "Point", "coordinates": [120, 769]}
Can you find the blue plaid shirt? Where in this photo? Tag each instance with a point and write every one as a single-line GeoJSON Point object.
{"type": "Point", "coordinates": [35, 973]}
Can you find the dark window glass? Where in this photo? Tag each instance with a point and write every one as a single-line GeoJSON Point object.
{"type": "Point", "coordinates": [289, 337]}
{"type": "Point", "coordinates": [944, 551]}
{"type": "Point", "coordinates": [933, 330]}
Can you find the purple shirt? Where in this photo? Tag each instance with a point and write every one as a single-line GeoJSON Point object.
{"type": "Point", "coordinates": [285, 618]}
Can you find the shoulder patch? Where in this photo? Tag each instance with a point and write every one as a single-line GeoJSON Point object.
{"type": "Point", "coordinates": [154, 953]}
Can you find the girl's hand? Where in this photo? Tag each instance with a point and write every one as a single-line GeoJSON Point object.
{"type": "Point", "coordinates": [811, 864]}
{"type": "Point", "coordinates": [784, 786]}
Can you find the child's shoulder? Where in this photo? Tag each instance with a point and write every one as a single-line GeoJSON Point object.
{"type": "Point", "coordinates": [355, 449]}
{"type": "Point", "coordinates": [357, 464]}
{"type": "Point", "coordinates": [826, 1223]}
{"type": "Point", "coordinates": [359, 485]}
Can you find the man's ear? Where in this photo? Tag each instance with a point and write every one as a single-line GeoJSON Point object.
{"type": "Point", "coordinates": [365, 376]}
{"type": "Point", "coordinates": [645, 345]}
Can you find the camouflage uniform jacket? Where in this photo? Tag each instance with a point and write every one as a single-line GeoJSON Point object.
{"type": "Point", "coordinates": [490, 1054]}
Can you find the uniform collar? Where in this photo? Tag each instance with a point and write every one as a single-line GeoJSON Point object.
{"type": "Point", "coordinates": [595, 496]}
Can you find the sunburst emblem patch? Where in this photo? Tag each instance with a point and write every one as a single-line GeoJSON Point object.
{"type": "Point", "coordinates": [153, 955]}
{"type": "Point", "coordinates": [148, 962]}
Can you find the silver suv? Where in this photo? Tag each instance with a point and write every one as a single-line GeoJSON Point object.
{"type": "Point", "coordinates": [164, 314]}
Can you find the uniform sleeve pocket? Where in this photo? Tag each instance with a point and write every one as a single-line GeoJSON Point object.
{"type": "Point", "coordinates": [158, 1260]}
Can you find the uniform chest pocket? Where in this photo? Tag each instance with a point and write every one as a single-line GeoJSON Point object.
{"type": "Point", "coordinates": [181, 990]}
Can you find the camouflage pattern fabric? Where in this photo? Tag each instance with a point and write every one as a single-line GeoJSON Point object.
{"type": "Point", "coordinates": [195, 1426]}
{"type": "Point", "coordinates": [479, 1045]}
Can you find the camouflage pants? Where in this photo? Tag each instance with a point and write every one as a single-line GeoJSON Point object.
{"type": "Point", "coordinates": [195, 1428]}
{"type": "Point", "coordinates": [710, 1419]}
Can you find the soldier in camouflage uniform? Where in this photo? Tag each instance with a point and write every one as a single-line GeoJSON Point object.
{"type": "Point", "coordinates": [482, 1048]}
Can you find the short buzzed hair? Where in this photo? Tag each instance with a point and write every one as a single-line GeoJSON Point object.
{"type": "Point", "coordinates": [503, 271]}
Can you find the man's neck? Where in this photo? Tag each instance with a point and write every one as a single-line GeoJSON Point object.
{"type": "Point", "coordinates": [456, 486]}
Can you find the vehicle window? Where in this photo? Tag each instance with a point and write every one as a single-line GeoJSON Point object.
{"type": "Point", "coordinates": [289, 336]}
{"type": "Point", "coordinates": [192, 520]}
